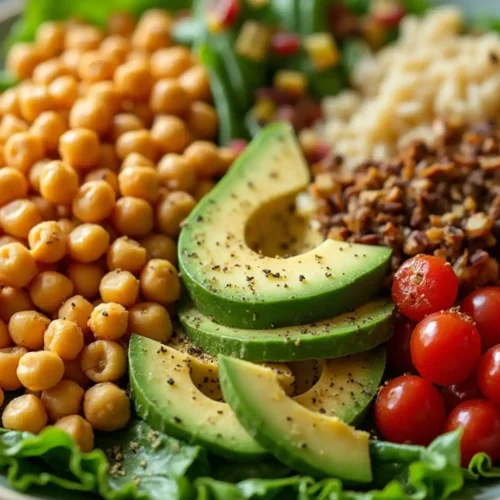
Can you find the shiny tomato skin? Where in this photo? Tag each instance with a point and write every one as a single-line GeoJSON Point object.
{"type": "Point", "coordinates": [409, 409]}
{"type": "Point", "coordinates": [398, 346]}
{"type": "Point", "coordinates": [456, 394]}
{"type": "Point", "coordinates": [488, 374]}
{"type": "Point", "coordinates": [480, 421]}
{"type": "Point", "coordinates": [445, 348]}
{"type": "Point", "coordinates": [424, 285]}
{"type": "Point", "coordinates": [483, 306]}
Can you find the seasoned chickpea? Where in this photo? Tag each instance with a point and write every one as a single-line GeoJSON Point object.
{"type": "Point", "coordinates": [9, 102]}
{"type": "Point", "coordinates": [40, 370]}
{"type": "Point", "coordinates": [104, 361]}
{"type": "Point", "coordinates": [88, 242]}
{"type": "Point", "coordinates": [47, 71]}
{"type": "Point", "coordinates": [94, 201]}
{"type": "Point", "coordinates": [169, 97]}
{"type": "Point", "coordinates": [160, 282]}
{"type": "Point", "coordinates": [22, 60]}
{"type": "Point", "coordinates": [204, 158]}
{"type": "Point", "coordinates": [25, 413]}
{"type": "Point", "coordinates": [18, 217]}
{"type": "Point", "coordinates": [13, 300]}
{"type": "Point", "coordinates": [119, 286]}
{"type": "Point", "coordinates": [17, 265]}
{"type": "Point", "coordinates": [10, 125]}
{"type": "Point", "coordinates": [47, 242]}
{"type": "Point", "coordinates": [202, 120]}
{"type": "Point", "coordinates": [106, 407]}
{"type": "Point", "coordinates": [83, 37]}
{"type": "Point", "coordinates": [50, 38]}
{"type": "Point", "coordinates": [104, 174]}
{"type": "Point", "coordinates": [116, 48]}
{"type": "Point", "coordinates": [79, 430]}
{"type": "Point", "coordinates": [65, 338]}
{"type": "Point", "coordinates": [108, 321]}
{"type": "Point", "coordinates": [33, 100]}
{"type": "Point", "coordinates": [159, 246]}
{"type": "Point", "coordinates": [23, 149]}
{"type": "Point", "coordinates": [136, 160]}
{"type": "Point", "coordinates": [9, 361]}
{"type": "Point", "coordinates": [92, 114]}
{"type": "Point", "coordinates": [172, 210]}
{"type": "Point", "coordinates": [13, 185]}
{"type": "Point", "coordinates": [121, 23]}
{"type": "Point", "coordinates": [79, 148]}
{"type": "Point", "coordinates": [77, 310]}
{"type": "Point", "coordinates": [171, 134]}
{"type": "Point", "coordinates": [176, 173]}
{"type": "Point", "coordinates": [73, 371]}
{"type": "Point", "coordinates": [132, 216]}
{"type": "Point", "coordinates": [95, 66]}
{"type": "Point", "coordinates": [133, 79]}
{"type": "Point", "coordinates": [86, 278]}
{"type": "Point", "coordinates": [126, 254]}
{"type": "Point", "coordinates": [58, 182]}
{"type": "Point", "coordinates": [108, 159]}
{"type": "Point", "coordinates": [196, 83]}
{"type": "Point", "coordinates": [5, 339]}
{"type": "Point", "coordinates": [26, 328]}
{"type": "Point", "coordinates": [153, 32]}
{"type": "Point", "coordinates": [136, 141]}
{"type": "Point", "coordinates": [49, 126]}
{"type": "Point", "coordinates": [170, 62]}
{"type": "Point", "coordinates": [139, 182]}
{"type": "Point", "coordinates": [125, 122]}
{"type": "Point", "coordinates": [62, 400]}
{"type": "Point", "coordinates": [107, 93]}
{"type": "Point", "coordinates": [49, 290]}
{"type": "Point", "coordinates": [63, 91]}
{"type": "Point", "coordinates": [150, 320]}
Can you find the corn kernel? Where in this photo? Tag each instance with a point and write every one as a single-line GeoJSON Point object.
{"type": "Point", "coordinates": [263, 110]}
{"type": "Point", "coordinates": [291, 82]}
{"type": "Point", "coordinates": [253, 41]}
{"type": "Point", "coordinates": [323, 50]}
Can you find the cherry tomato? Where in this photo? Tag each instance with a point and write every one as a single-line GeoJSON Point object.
{"type": "Point", "coordinates": [480, 421]}
{"type": "Point", "coordinates": [423, 285]}
{"type": "Point", "coordinates": [455, 394]}
{"type": "Point", "coordinates": [398, 346]}
{"type": "Point", "coordinates": [285, 44]}
{"type": "Point", "coordinates": [483, 306]}
{"type": "Point", "coordinates": [445, 348]}
{"type": "Point", "coordinates": [409, 409]}
{"type": "Point", "coordinates": [488, 374]}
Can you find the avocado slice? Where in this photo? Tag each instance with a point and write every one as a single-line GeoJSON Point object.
{"type": "Point", "coordinates": [167, 399]}
{"type": "Point", "coordinates": [364, 328]}
{"type": "Point", "coordinates": [310, 442]}
{"type": "Point", "coordinates": [240, 287]}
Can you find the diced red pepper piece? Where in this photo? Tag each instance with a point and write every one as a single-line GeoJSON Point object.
{"type": "Point", "coordinates": [388, 13]}
{"type": "Point", "coordinates": [223, 13]}
{"type": "Point", "coordinates": [285, 44]}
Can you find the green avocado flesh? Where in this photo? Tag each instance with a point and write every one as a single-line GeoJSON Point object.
{"type": "Point", "coordinates": [237, 286]}
{"type": "Point", "coordinates": [168, 400]}
{"type": "Point", "coordinates": [310, 442]}
{"type": "Point", "coordinates": [356, 331]}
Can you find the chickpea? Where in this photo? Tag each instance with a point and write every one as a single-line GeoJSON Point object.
{"type": "Point", "coordinates": [136, 160]}
{"type": "Point", "coordinates": [176, 173]}
{"type": "Point", "coordinates": [17, 265]}
{"type": "Point", "coordinates": [132, 216]}
{"type": "Point", "coordinates": [104, 174]}
{"type": "Point", "coordinates": [83, 37]}
{"type": "Point", "coordinates": [63, 399]}
{"type": "Point", "coordinates": [116, 48]}
{"type": "Point", "coordinates": [227, 157]}
{"type": "Point", "coordinates": [125, 122]}
{"type": "Point", "coordinates": [196, 83]}
{"type": "Point", "coordinates": [9, 102]}
{"type": "Point", "coordinates": [126, 254]}
{"type": "Point", "coordinates": [23, 149]}
{"type": "Point", "coordinates": [108, 321]}
{"type": "Point", "coordinates": [48, 71]}
{"type": "Point", "coordinates": [26, 328]}
{"type": "Point", "coordinates": [13, 185]}
{"type": "Point", "coordinates": [119, 286]}
{"type": "Point", "coordinates": [150, 320]}
{"type": "Point", "coordinates": [133, 79]}
{"type": "Point", "coordinates": [49, 126]}
{"type": "Point", "coordinates": [104, 361]}
{"type": "Point", "coordinates": [58, 182]}
{"type": "Point", "coordinates": [79, 430]}
{"type": "Point", "coordinates": [92, 114]}
{"type": "Point", "coordinates": [160, 282]}
{"type": "Point", "coordinates": [121, 23]}
{"type": "Point", "coordinates": [139, 182]}
{"type": "Point", "coordinates": [22, 59]}
{"type": "Point", "coordinates": [10, 125]}
{"type": "Point", "coordinates": [79, 148]}
{"type": "Point", "coordinates": [202, 120]}
{"type": "Point", "coordinates": [171, 134]}
{"type": "Point", "coordinates": [65, 338]}
{"type": "Point", "coordinates": [35, 173]}
{"type": "Point", "coordinates": [88, 242]}
{"type": "Point", "coordinates": [13, 300]}
{"type": "Point", "coordinates": [25, 413]}
{"type": "Point", "coordinates": [159, 246]}
{"type": "Point", "coordinates": [170, 62]}
{"type": "Point", "coordinates": [106, 407]}
{"type": "Point", "coordinates": [63, 91]}
{"type": "Point", "coordinates": [49, 290]}
{"type": "Point", "coordinates": [96, 67]}
{"type": "Point", "coordinates": [169, 97]}
{"type": "Point", "coordinates": [47, 242]}
{"type": "Point", "coordinates": [50, 38]}
{"type": "Point", "coordinates": [85, 278]}
{"type": "Point", "coordinates": [172, 210]}
{"type": "Point", "coordinates": [136, 141]}
{"type": "Point", "coordinates": [107, 93]}
{"type": "Point", "coordinates": [72, 58]}
{"type": "Point", "coordinates": [108, 160]}
{"type": "Point", "coordinates": [139, 55]}
{"type": "Point", "coordinates": [153, 31]}
{"type": "Point", "coordinates": [9, 361]}
{"type": "Point", "coordinates": [18, 217]}
{"type": "Point", "coordinates": [94, 201]}
{"type": "Point", "coordinates": [204, 158]}
{"type": "Point", "coordinates": [33, 100]}
{"type": "Point", "coordinates": [139, 109]}
{"type": "Point", "coordinates": [5, 339]}
{"type": "Point", "coordinates": [40, 370]}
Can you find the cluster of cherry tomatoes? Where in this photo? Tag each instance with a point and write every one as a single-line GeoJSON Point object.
{"type": "Point", "coordinates": [449, 356]}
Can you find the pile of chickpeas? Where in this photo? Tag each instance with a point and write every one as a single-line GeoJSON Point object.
{"type": "Point", "coordinates": [106, 144]}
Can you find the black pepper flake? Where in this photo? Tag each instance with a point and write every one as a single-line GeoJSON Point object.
{"type": "Point", "coordinates": [105, 313]}
{"type": "Point", "coordinates": [170, 381]}
{"type": "Point", "coordinates": [177, 420]}
{"type": "Point", "coordinates": [302, 277]}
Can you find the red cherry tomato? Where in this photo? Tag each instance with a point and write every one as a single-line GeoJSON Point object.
{"type": "Point", "coordinates": [488, 374]}
{"type": "Point", "coordinates": [455, 394]}
{"type": "Point", "coordinates": [445, 348]}
{"type": "Point", "coordinates": [398, 346]}
{"type": "Point", "coordinates": [409, 409]}
{"type": "Point", "coordinates": [285, 44]}
{"type": "Point", "coordinates": [483, 306]}
{"type": "Point", "coordinates": [423, 285]}
{"type": "Point", "coordinates": [480, 421]}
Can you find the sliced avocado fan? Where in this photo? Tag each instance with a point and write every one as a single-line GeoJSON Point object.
{"type": "Point", "coordinates": [239, 287]}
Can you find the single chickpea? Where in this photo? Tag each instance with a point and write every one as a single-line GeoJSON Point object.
{"type": "Point", "coordinates": [95, 66]}
{"type": "Point", "coordinates": [25, 413]}
{"type": "Point", "coordinates": [104, 174]}
{"type": "Point", "coordinates": [136, 160]}
{"type": "Point", "coordinates": [40, 370]}
{"type": "Point", "coordinates": [176, 173]}
{"type": "Point", "coordinates": [10, 125]}
{"type": "Point", "coordinates": [79, 430]}
{"type": "Point", "coordinates": [106, 407]}
{"type": "Point", "coordinates": [5, 338]}
{"type": "Point", "coordinates": [23, 149]}
{"type": "Point", "coordinates": [77, 309]}
{"type": "Point", "coordinates": [126, 254]}
{"type": "Point", "coordinates": [63, 399]}
{"type": "Point", "coordinates": [46, 209]}
{"type": "Point", "coordinates": [83, 37]}
{"type": "Point", "coordinates": [108, 159]}
{"type": "Point", "coordinates": [88, 242]}
{"type": "Point", "coordinates": [58, 182]}
{"type": "Point", "coordinates": [107, 93]}
{"type": "Point", "coordinates": [136, 141]}
{"type": "Point", "coordinates": [104, 361]}
{"type": "Point", "coordinates": [18, 217]}
{"type": "Point", "coordinates": [170, 62]}
{"type": "Point", "coordinates": [65, 338]}
{"type": "Point", "coordinates": [9, 361]}
{"type": "Point", "coordinates": [172, 210]}
{"type": "Point", "coordinates": [86, 278]}
{"type": "Point", "coordinates": [160, 282]}
{"type": "Point", "coordinates": [33, 100]}
{"type": "Point", "coordinates": [17, 265]}
{"type": "Point", "coordinates": [49, 126]}
{"type": "Point", "coordinates": [35, 173]}
{"type": "Point", "coordinates": [13, 300]}
{"type": "Point", "coordinates": [202, 189]}
{"type": "Point", "coordinates": [63, 91]}
{"type": "Point", "coordinates": [196, 83]}
{"type": "Point", "coordinates": [121, 23]}
{"type": "Point", "coordinates": [170, 134]}
{"type": "Point", "coordinates": [94, 201]}
{"type": "Point", "coordinates": [79, 148]}
{"type": "Point", "coordinates": [13, 185]}
{"type": "Point", "coordinates": [26, 328]}
{"type": "Point", "coordinates": [116, 48]}
{"type": "Point", "coordinates": [153, 31]}
{"type": "Point", "coordinates": [202, 120]}
{"type": "Point", "coordinates": [169, 97]}
{"type": "Point", "coordinates": [125, 122]}
{"type": "Point", "coordinates": [227, 157]}
{"type": "Point", "coordinates": [49, 290]}
{"type": "Point", "coordinates": [50, 38]}
{"type": "Point", "coordinates": [159, 246]}
{"type": "Point", "coordinates": [22, 59]}
{"type": "Point", "coordinates": [133, 79]}
{"type": "Point", "coordinates": [9, 102]}
{"type": "Point", "coordinates": [119, 286]}
{"type": "Point", "coordinates": [139, 182]}
{"type": "Point", "coordinates": [204, 158]}
{"type": "Point", "coordinates": [108, 321]}
{"type": "Point", "coordinates": [48, 71]}
{"type": "Point", "coordinates": [92, 114]}
{"type": "Point", "coordinates": [47, 242]}
{"type": "Point", "coordinates": [132, 216]}
{"type": "Point", "coordinates": [150, 320]}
